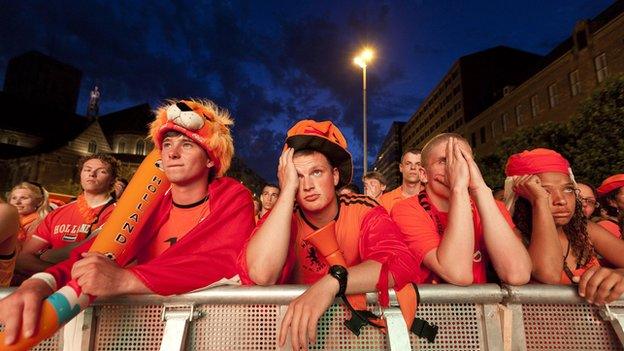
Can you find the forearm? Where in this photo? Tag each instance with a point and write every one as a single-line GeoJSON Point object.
{"type": "Point", "coordinates": [545, 248]}
{"type": "Point", "coordinates": [506, 251]}
{"type": "Point", "coordinates": [364, 277]}
{"type": "Point", "coordinates": [268, 248]}
{"type": "Point", "coordinates": [29, 262]}
{"type": "Point", "coordinates": [130, 284]}
{"type": "Point", "coordinates": [454, 255]}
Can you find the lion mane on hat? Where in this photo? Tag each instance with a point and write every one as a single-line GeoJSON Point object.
{"type": "Point", "coordinates": [202, 121]}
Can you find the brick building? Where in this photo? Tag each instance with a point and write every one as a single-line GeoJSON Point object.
{"type": "Point", "coordinates": [562, 80]}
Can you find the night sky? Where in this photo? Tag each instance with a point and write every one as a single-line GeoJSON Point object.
{"type": "Point", "coordinates": [272, 63]}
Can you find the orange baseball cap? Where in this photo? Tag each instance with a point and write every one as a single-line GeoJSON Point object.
{"type": "Point", "coordinates": [325, 138]}
{"type": "Point", "coordinates": [610, 184]}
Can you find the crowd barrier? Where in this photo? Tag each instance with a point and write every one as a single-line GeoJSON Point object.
{"type": "Point", "coordinates": [480, 317]}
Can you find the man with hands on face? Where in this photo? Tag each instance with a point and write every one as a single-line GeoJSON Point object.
{"type": "Point", "coordinates": [455, 224]}
{"type": "Point", "coordinates": [543, 197]}
{"type": "Point", "coordinates": [191, 240]}
{"type": "Point", "coordinates": [312, 166]}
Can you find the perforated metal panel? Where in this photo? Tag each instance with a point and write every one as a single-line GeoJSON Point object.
{"type": "Point", "coordinates": [50, 344]}
{"type": "Point", "coordinates": [459, 327]}
{"type": "Point", "coordinates": [333, 335]}
{"type": "Point", "coordinates": [234, 327]}
{"type": "Point", "coordinates": [567, 327]}
{"type": "Point", "coordinates": [129, 328]}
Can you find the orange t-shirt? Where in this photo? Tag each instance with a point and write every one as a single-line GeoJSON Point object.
{"type": "Point", "coordinates": [389, 199]}
{"type": "Point", "coordinates": [181, 221]}
{"type": "Point", "coordinates": [423, 235]}
{"type": "Point", "coordinates": [578, 272]}
{"type": "Point", "coordinates": [611, 227]}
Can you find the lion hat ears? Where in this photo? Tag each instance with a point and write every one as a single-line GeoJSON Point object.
{"type": "Point", "coordinates": [202, 121]}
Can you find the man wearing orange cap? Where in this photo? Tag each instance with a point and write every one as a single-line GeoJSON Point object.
{"type": "Point", "coordinates": [192, 239]}
{"type": "Point", "coordinates": [412, 184]}
{"type": "Point", "coordinates": [455, 224]}
{"type": "Point", "coordinates": [563, 245]}
{"type": "Point", "coordinates": [611, 193]}
{"type": "Point", "coordinates": [314, 163]}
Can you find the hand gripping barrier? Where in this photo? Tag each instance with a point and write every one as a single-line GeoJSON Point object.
{"type": "Point", "coordinates": [324, 240]}
{"type": "Point", "coordinates": [115, 240]}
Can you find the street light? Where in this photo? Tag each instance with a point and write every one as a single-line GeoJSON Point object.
{"type": "Point", "coordinates": [362, 60]}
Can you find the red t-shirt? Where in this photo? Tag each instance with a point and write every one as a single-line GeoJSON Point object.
{"type": "Point", "coordinates": [422, 235]}
{"type": "Point", "coordinates": [180, 222]}
{"type": "Point", "coordinates": [65, 225]}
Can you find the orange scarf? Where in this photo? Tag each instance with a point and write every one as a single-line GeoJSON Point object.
{"type": "Point", "coordinates": [87, 213]}
{"type": "Point", "coordinates": [25, 222]}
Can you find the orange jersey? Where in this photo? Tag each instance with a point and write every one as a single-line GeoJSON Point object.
{"type": "Point", "coordinates": [389, 199]}
{"type": "Point", "coordinates": [364, 231]}
{"type": "Point", "coordinates": [179, 223]}
{"type": "Point", "coordinates": [424, 229]}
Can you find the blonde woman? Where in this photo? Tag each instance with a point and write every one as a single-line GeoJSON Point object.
{"type": "Point", "coordinates": [31, 201]}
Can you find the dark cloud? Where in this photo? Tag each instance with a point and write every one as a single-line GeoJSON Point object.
{"type": "Point", "coordinates": [270, 63]}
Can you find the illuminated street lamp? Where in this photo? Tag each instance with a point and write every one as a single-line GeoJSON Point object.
{"type": "Point", "coordinates": [362, 60]}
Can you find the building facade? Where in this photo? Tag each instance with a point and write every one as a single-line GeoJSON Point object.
{"type": "Point", "coordinates": [473, 83]}
{"type": "Point", "coordinates": [389, 157]}
{"type": "Point", "coordinates": [565, 78]}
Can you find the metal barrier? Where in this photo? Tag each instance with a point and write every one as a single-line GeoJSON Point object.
{"type": "Point", "coordinates": [479, 317]}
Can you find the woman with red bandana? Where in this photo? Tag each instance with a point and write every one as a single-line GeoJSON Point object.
{"type": "Point", "coordinates": [561, 242]}
{"type": "Point", "coordinates": [611, 193]}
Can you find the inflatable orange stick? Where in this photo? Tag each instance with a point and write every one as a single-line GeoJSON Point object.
{"type": "Point", "coordinates": [114, 240]}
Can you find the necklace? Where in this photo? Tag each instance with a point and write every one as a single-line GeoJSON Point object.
{"type": "Point", "coordinates": [194, 204]}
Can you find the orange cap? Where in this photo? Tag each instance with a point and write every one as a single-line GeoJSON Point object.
{"type": "Point", "coordinates": [610, 184]}
{"type": "Point", "coordinates": [325, 138]}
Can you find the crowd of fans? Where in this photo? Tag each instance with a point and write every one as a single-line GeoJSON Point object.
{"type": "Point", "coordinates": [443, 224]}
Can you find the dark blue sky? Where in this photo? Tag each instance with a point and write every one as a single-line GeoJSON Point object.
{"type": "Point", "coordinates": [274, 62]}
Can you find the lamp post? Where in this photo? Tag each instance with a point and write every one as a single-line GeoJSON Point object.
{"type": "Point", "coordinates": [362, 60]}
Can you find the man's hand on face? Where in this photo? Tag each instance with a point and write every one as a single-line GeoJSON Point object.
{"type": "Point", "coordinates": [99, 276]}
{"type": "Point", "coordinates": [600, 285]}
{"type": "Point", "coordinates": [20, 310]}
{"type": "Point", "coordinates": [530, 187]}
{"type": "Point", "coordinates": [457, 172]}
{"type": "Point", "coordinates": [304, 312]}
{"type": "Point", "coordinates": [476, 178]}
{"type": "Point", "coordinates": [286, 172]}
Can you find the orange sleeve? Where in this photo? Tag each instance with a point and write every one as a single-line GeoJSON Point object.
{"type": "Point", "coordinates": [417, 227]}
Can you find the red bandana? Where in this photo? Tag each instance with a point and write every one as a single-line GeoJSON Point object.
{"type": "Point", "coordinates": [610, 184]}
{"type": "Point", "coordinates": [536, 161]}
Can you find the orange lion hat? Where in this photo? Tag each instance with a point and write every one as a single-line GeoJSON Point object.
{"type": "Point", "coordinates": [201, 120]}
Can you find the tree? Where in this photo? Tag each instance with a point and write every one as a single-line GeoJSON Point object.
{"type": "Point", "coordinates": [597, 149]}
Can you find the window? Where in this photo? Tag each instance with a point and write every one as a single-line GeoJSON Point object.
{"type": "Point", "coordinates": [92, 146]}
{"type": "Point", "coordinates": [581, 40]}
{"type": "Point", "coordinates": [575, 83]}
{"type": "Point", "coordinates": [504, 118]}
{"type": "Point", "coordinates": [121, 146]}
{"type": "Point", "coordinates": [534, 106]}
{"type": "Point", "coordinates": [11, 140]}
{"type": "Point", "coordinates": [482, 132]}
{"type": "Point", "coordinates": [519, 116]}
{"type": "Point", "coordinates": [553, 99]}
{"type": "Point", "coordinates": [473, 139]}
{"type": "Point", "coordinates": [140, 147]}
{"type": "Point", "coordinates": [600, 62]}
{"type": "Point", "coordinates": [493, 128]}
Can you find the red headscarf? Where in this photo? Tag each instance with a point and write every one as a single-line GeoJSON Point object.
{"type": "Point", "coordinates": [610, 184]}
{"type": "Point", "coordinates": [536, 161]}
